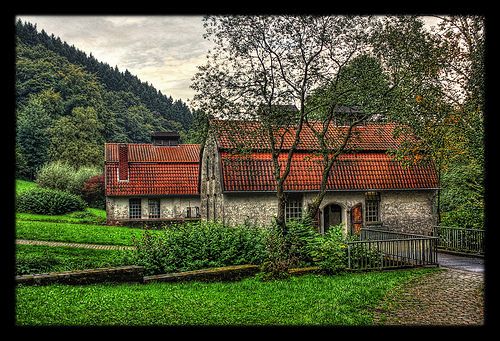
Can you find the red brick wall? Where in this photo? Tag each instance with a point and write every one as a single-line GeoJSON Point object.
{"type": "Point", "coordinates": [123, 162]}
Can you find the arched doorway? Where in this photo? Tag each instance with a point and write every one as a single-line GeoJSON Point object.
{"type": "Point", "coordinates": [332, 216]}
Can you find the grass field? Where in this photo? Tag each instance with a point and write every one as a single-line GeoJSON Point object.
{"type": "Point", "coordinates": [308, 300]}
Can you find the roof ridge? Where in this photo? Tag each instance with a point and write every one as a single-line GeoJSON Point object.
{"type": "Point", "coordinates": [150, 144]}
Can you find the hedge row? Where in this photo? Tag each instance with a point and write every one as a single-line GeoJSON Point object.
{"type": "Point", "coordinates": [48, 201]}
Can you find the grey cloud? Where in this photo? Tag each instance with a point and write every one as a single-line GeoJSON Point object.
{"type": "Point", "coordinates": [158, 49]}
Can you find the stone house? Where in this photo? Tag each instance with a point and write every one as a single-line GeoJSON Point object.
{"type": "Point", "coordinates": [232, 181]}
{"type": "Point", "coordinates": [152, 182]}
{"type": "Point", "coordinates": [367, 187]}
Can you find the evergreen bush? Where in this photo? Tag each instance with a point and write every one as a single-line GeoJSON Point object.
{"type": "Point", "coordinates": [329, 251]}
{"type": "Point", "coordinates": [47, 201]}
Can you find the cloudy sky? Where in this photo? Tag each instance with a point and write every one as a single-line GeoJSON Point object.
{"type": "Point", "coordinates": [162, 50]}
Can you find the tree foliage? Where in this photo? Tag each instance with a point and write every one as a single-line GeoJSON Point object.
{"type": "Point", "coordinates": [445, 109]}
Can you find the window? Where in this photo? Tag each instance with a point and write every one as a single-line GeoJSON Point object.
{"type": "Point", "coordinates": [154, 208]}
{"type": "Point", "coordinates": [134, 210]}
{"type": "Point", "coordinates": [293, 208]}
{"type": "Point", "coordinates": [372, 200]}
{"type": "Point", "coordinates": [193, 212]}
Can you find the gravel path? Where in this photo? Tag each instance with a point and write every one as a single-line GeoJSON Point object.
{"type": "Point", "coordinates": [86, 246]}
{"type": "Point", "coordinates": [449, 297]}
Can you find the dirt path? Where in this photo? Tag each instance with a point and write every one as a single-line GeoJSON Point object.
{"type": "Point", "coordinates": [448, 297]}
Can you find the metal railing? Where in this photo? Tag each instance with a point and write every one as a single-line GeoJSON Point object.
{"type": "Point", "coordinates": [379, 249]}
{"type": "Point", "coordinates": [460, 239]}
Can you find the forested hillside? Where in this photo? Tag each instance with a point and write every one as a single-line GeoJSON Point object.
{"type": "Point", "coordinates": [69, 104]}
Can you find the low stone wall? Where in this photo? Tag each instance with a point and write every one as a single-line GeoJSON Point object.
{"type": "Point", "coordinates": [136, 274]}
{"type": "Point", "coordinates": [76, 277]}
{"type": "Point", "coordinates": [228, 273]}
{"type": "Point", "coordinates": [303, 271]}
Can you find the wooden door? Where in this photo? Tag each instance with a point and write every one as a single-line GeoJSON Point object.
{"type": "Point", "coordinates": [357, 218]}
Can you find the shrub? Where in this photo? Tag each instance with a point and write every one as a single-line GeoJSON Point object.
{"type": "Point", "coordinates": [329, 251]}
{"type": "Point", "coordinates": [300, 237]}
{"type": "Point", "coordinates": [464, 218]}
{"type": "Point", "coordinates": [47, 201]}
{"type": "Point", "coordinates": [55, 176]}
{"type": "Point", "coordinates": [193, 246]}
{"type": "Point", "coordinates": [293, 250]}
{"type": "Point", "coordinates": [278, 255]}
{"type": "Point", "coordinates": [80, 178]}
{"type": "Point", "coordinates": [93, 192]}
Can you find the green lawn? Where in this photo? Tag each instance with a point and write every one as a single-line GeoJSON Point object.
{"type": "Point", "coordinates": [76, 233]}
{"type": "Point", "coordinates": [22, 185]}
{"type": "Point", "coordinates": [308, 300]}
{"type": "Point", "coordinates": [33, 259]}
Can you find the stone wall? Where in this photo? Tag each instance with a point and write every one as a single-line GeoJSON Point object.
{"type": "Point", "coordinates": [228, 273]}
{"type": "Point", "coordinates": [77, 277]}
{"type": "Point", "coordinates": [254, 208]}
{"type": "Point", "coordinates": [136, 274]}
{"type": "Point", "coordinates": [409, 211]}
{"type": "Point", "coordinates": [346, 200]}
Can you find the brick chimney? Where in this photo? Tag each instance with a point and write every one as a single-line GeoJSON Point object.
{"type": "Point", "coordinates": [123, 162]}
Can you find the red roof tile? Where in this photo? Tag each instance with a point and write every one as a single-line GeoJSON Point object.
{"type": "Point", "coordinates": [154, 179]}
{"type": "Point", "coordinates": [154, 170]}
{"type": "Point", "coordinates": [250, 134]}
{"type": "Point", "coordinates": [146, 152]}
{"type": "Point", "coordinates": [361, 171]}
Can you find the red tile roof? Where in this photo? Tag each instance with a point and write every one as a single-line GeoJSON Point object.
{"type": "Point", "coordinates": [146, 152]}
{"type": "Point", "coordinates": [250, 134]}
{"type": "Point", "coordinates": [154, 170]}
{"type": "Point", "coordinates": [363, 171]}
